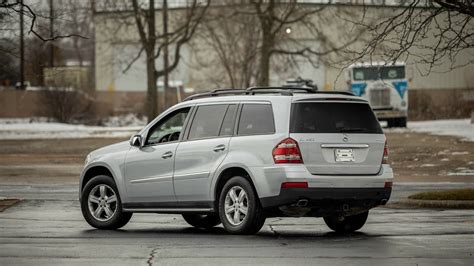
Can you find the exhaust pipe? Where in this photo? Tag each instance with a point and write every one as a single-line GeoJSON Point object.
{"type": "Point", "coordinates": [302, 203]}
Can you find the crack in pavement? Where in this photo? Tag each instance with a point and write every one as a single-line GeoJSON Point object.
{"type": "Point", "coordinates": [151, 256]}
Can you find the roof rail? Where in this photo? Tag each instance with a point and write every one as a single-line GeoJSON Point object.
{"type": "Point", "coordinates": [306, 89]}
{"type": "Point", "coordinates": [287, 91]}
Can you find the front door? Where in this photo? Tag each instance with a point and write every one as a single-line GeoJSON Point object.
{"type": "Point", "coordinates": [149, 169]}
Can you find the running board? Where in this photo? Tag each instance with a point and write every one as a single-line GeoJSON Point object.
{"type": "Point", "coordinates": [170, 210]}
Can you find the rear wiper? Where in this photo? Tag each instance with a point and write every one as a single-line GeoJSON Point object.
{"type": "Point", "coordinates": [352, 129]}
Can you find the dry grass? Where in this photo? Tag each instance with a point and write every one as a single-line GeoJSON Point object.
{"type": "Point", "coordinates": [455, 194]}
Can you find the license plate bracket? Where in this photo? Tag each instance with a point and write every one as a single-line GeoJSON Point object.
{"type": "Point", "coordinates": [344, 155]}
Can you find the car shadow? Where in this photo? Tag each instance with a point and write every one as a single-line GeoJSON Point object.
{"type": "Point", "coordinates": [265, 233]}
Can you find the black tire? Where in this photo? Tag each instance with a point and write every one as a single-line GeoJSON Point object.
{"type": "Point", "coordinates": [348, 224]}
{"type": "Point", "coordinates": [202, 221]}
{"type": "Point", "coordinates": [402, 122]}
{"type": "Point", "coordinates": [390, 123]}
{"type": "Point", "coordinates": [118, 219]}
{"type": "Point", "coordinates": [254, 219]}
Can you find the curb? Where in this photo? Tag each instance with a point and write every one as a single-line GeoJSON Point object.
{"type": "Point", "coordinates": [433, 204]}
{"type": "Point", "coordinates": [6, 203]}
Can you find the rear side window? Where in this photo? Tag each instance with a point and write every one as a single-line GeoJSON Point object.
{"type": "Point", "coordinates": [256, 119]}
{"type": "Point", "coordinates": [332, 117]}
{"type": "Point", "coordinates": [227, 128]}
{"type": "Point", "coordinates": [207, 121]}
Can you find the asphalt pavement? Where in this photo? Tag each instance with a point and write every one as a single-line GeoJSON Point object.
{"type": "Point", "coordinates": [47, 228]}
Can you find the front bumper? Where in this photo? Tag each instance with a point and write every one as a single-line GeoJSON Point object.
{"type": "Point", "coordinates": [385, 114]}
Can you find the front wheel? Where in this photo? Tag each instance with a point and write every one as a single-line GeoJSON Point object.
{"type": "Point", "coordinates": [239, 207]}
{"type": "Point", "coordinates": [202, 221]}
{"type": "Point", "coordinates": [346, 224]}
{"type": "Point", "coordinates": [101, 205]}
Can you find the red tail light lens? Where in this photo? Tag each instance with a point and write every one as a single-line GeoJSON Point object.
{"type": "Point", "coordinates": [287, 151]}
{"type": "Point", "coordinates": [294, 185]}
{"type": "Point", "coordinates": [385, 154]}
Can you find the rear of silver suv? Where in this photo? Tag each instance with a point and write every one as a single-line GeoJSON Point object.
{"type": "Point", "coordinates": [239, 159]}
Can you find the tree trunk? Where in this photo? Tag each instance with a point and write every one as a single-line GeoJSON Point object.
{"type": "Point", "coordinates": [151, 97]}
{"type": "Point", "coordinates": [265, 54]}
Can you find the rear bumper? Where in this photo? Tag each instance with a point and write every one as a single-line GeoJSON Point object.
{"type": "Point", "coordinates": [329, 198]}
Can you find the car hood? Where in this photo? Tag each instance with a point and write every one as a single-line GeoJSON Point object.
{"type": "Point", "coordinates": [109, 150]}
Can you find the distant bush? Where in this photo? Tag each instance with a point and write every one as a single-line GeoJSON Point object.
{"type": "Point", "coordinates": [66, 105]}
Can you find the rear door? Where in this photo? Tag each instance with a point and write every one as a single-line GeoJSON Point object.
{"type": "Point", "coordinates": [337, 137]}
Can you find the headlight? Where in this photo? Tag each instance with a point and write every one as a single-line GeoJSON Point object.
{"type": "Point", "coordinates": [88, 158]}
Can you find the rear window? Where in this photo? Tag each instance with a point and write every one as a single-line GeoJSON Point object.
{"type": "Point", "coordinates": [332, 117]}
{"type": "Point", "coordinates": [256, 119]}
{"type": "Point", "coordinates": [207, 121]}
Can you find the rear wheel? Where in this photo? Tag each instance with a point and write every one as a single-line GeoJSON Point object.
{"type": "Point", "coordinates": [101, 205]}
{"type": "Point", "coordinates": [202, 221]}
{"type": "Point", "coordinates": [239, 207]}
{"type": "Point", "coordinates": [346, 224]}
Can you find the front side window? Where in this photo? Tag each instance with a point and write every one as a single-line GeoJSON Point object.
{"type": "Point", "coordinates": [256, 119]}
{"type": "Point", "coordinates": [207, 121]}
{"type": "Point", "coordinates": [169, 128]}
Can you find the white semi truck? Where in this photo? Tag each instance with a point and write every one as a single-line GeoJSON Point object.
{"type": "Point", "coordinates": [385, 86]}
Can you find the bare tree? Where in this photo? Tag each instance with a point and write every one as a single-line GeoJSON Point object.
{"type": "Point", "coordinates": [153, 42]}
{"type": "Point", "coordinates": [427, 32]}
{"type": "Point", "coordinates": [234, 42]}
{"type": "Point", "coordinates": [8, 8]}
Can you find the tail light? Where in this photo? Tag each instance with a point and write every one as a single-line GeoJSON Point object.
{"type": "Point", "coordinates": [385, 154]}
{"type": "Point", "coordinates": [287, 151]}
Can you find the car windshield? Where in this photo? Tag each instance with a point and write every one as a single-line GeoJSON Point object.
{"type": "Point", "coordinates": [374, 73]}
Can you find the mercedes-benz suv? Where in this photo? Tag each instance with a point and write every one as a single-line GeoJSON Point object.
{"type": "Point", "coordinates": [237, 157]}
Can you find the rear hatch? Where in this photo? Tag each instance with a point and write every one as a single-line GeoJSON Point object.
{"type": "Point", "coordinates": [337, 137]}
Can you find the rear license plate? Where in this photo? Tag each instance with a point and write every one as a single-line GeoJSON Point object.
{"type": "Point", "coordinates": [344, 155]}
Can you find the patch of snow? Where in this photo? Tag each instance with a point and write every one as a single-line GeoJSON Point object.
{"type": "Point", "coordinates": [445, 160]}
{"type": "Point", "coordinates": [125, 120]}
{"type": "Point", "coordinates": [460, 153]}
{"type": "Point", "coordinates": [457, 127]}
{"type": "Point", "coordinates": [428, 165]}
{"type": "Point", "coordinates": [27, 129]}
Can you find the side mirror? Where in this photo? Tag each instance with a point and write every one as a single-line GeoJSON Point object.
{"type": "Point", "coordinates": [136, 141]}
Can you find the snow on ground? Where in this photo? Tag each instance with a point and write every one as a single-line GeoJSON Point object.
{"type": "Point", "coordinates": [456, 127]}
{"type": "Point", "coordinates": [40, 129]}
{"type": "Point", "coordinates": [126, 126]}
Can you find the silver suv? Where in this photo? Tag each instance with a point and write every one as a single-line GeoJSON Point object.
{"type": "Point", "coordinates": [237, 157]}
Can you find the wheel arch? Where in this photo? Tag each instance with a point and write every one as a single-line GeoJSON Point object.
{"type": "Point", "coordinates": [227, 174]}
{"type": "Point", "coordinates": [95, 170]}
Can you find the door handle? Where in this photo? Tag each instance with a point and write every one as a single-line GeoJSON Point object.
{"type": "Point", "coordinates": [219, 148]}
{"type": "Point", "coordinates": [167, 155]}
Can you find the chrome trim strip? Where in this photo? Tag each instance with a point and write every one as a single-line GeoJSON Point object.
{"type": "Point", "coordinates": [152, 179]}
{"type": "Point", "coordinates": [168, 210]}
{"type": "Point", "coordinates": [182, 177]}
{"type": "Point", "coordinates": [344, 145]}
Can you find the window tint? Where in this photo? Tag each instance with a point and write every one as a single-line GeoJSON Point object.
{"type": "Point", "coordinates": [227, 128]}
{"type": "Point", "coordinates": [256, 119]}
{"type": "Point", "coordinates": [207, 121]}
{"type": "Point", "coordinates": [333, 118]}
{"type": "Point", "coordinates": [374, 73]}
{"type": "Point", "coordinates": [169, 128]}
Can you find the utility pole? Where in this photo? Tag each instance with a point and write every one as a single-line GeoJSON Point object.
{"type": "Point", "coordinates": [51, 33]}
{"type": "Point", "coordinates": [22, 50]}
{"type": "Point", "coordinates": [165, 51]}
